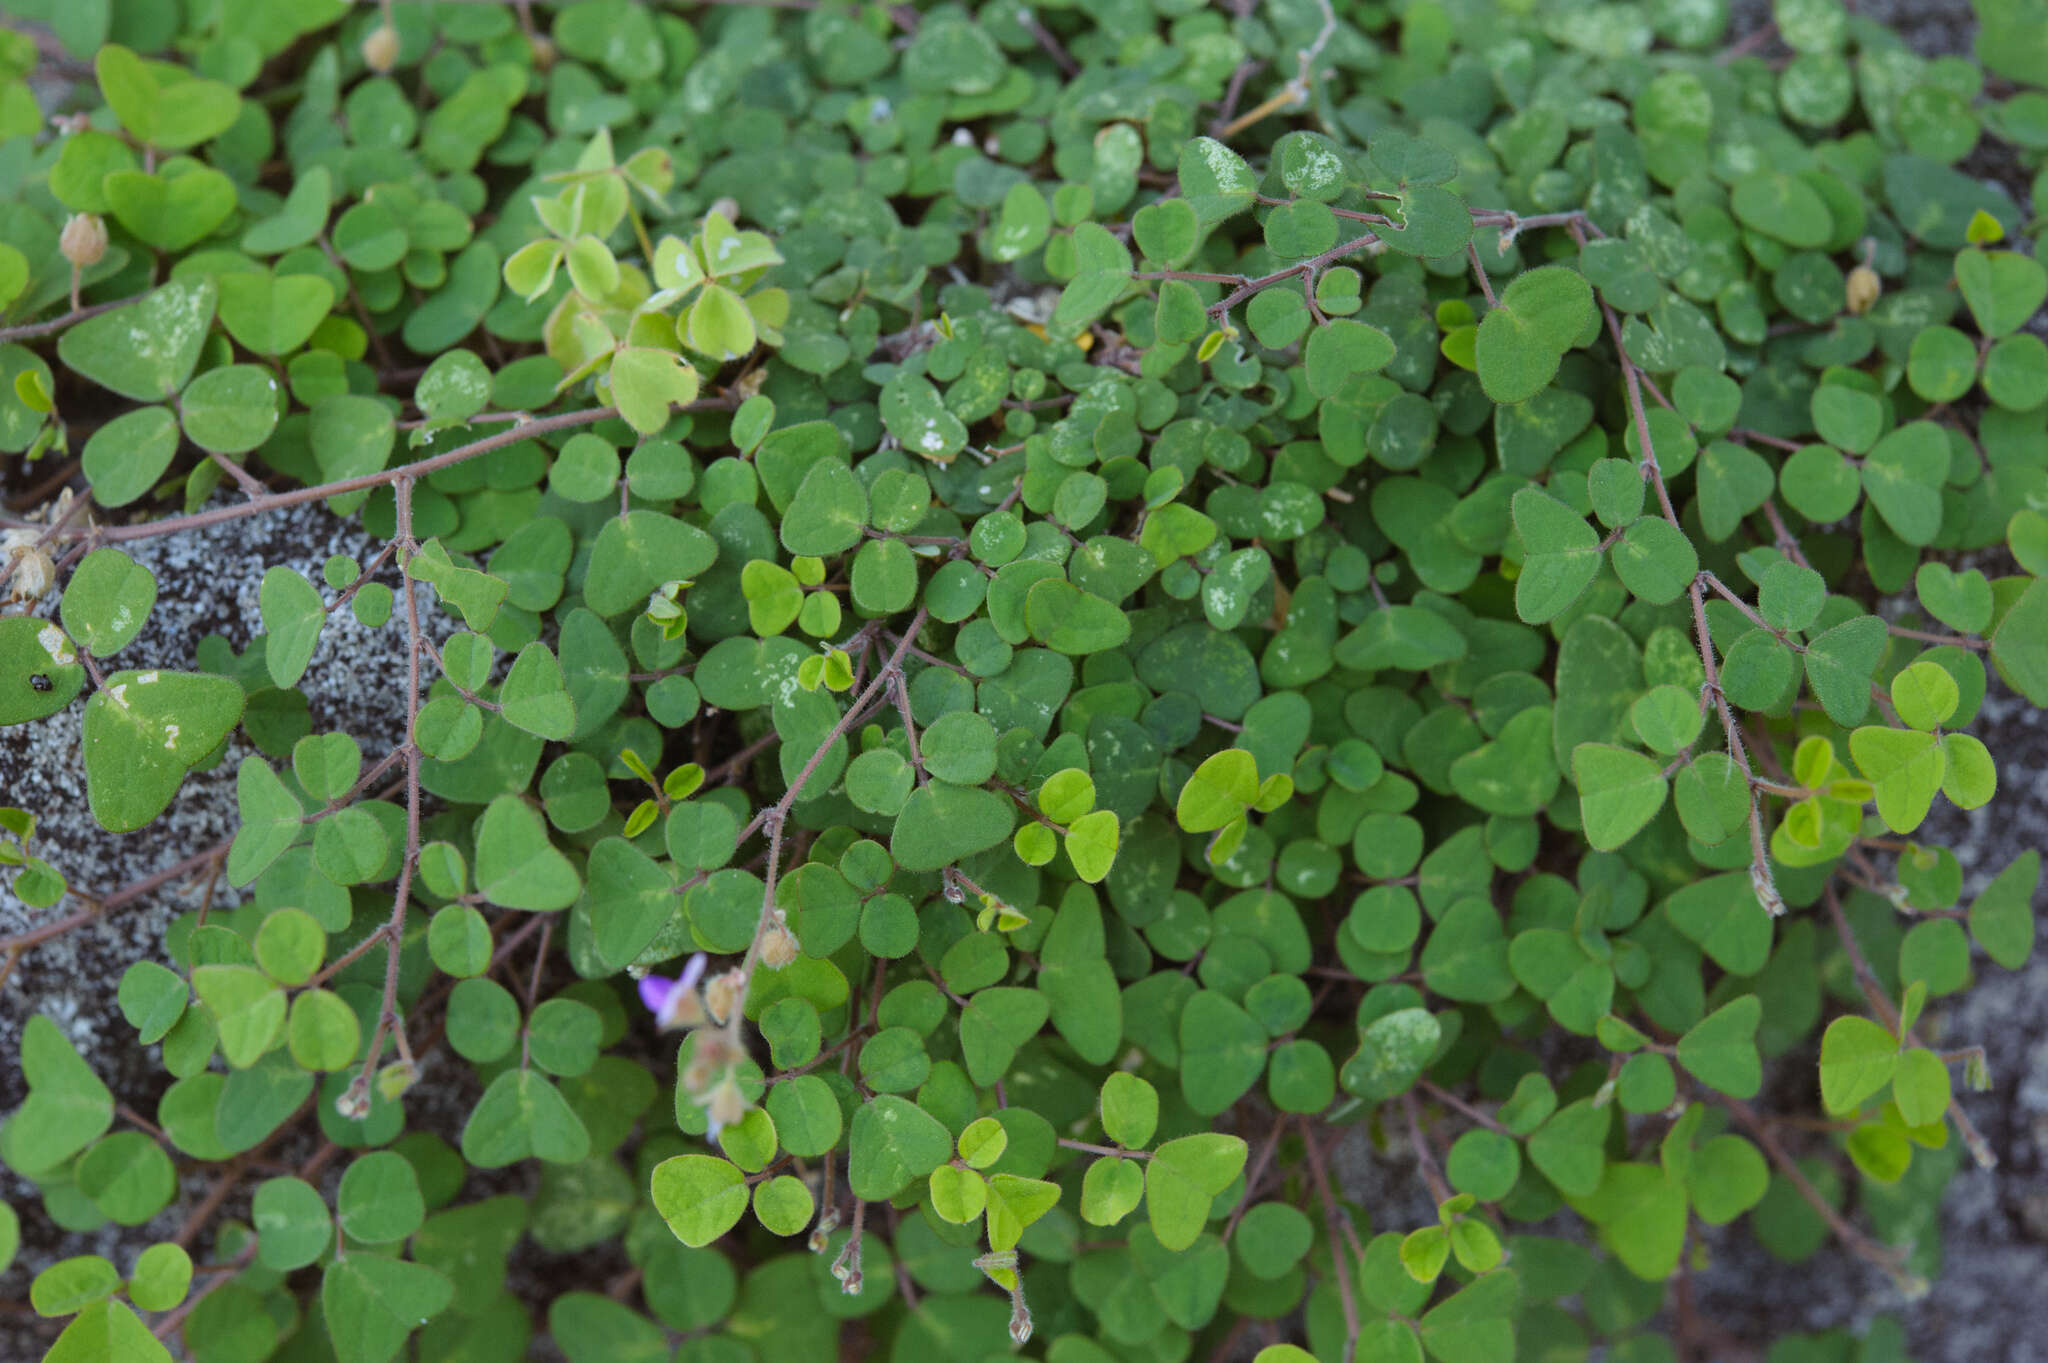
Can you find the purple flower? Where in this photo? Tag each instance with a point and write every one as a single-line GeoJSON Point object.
{"type": "Point", "coordinates": [654, 992]}
{"type": "Point", "coordinates": [675, 1003]}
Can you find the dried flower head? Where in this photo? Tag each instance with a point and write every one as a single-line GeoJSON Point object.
{"type": "Point", "coordinates": [1020, 1319]}
{"type": "Point", "coordinates": [84, 240]}
{"type": "Point", "coordinates": [727, 1105]}
{"type": "Point", "coordinates": [1766, 889]}
{"type": "Point", "coordinates": [354, 1103]}
{"type": "Point", "coordinates": [380, 49]}
{"type": "Point", "coordinates": [33, 569]}
{"type": "Point", "coordinates": [722, 995]}
{"type": "Point", "coordinates": [778, 947]}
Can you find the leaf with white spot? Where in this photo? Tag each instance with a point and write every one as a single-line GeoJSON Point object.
{"type": "Point", "coordinates": [39, 670]}
{"type": "Point", "coordinates": [917, 416]}
{"type": "Point", "coordinates": [143, 732]}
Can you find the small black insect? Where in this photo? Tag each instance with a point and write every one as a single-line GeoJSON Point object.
{"type": "Point", "coordinates": [41, 682]}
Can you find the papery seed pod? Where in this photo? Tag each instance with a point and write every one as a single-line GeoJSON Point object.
{"type": "Point", "coordinates": [543, 49]}
{"type": "Point", "coordinates": [1862, 290]}
{"type": "Point", "coordinates": [717, 1049]}
{"type": "Point", "coordinates": [728, 1105]}
{"type": "Point", "coordinates": [380, 49]}
{"type": "Point", "coordinates": [778, 947]}
{"type": "Point", "coordinates": [696, 1076]}
{"type": "Point", "coordinates": [394, 1079]}
{"type": "Point", "coordinates": [1766, 889]}
{"type": "Point", "coordinates": [686, 1009]}
{"type": "Point", "coordinates": [725, 207]}
{"type": "Point", "coordinates": [34, 570]}
{"type": "Point", "coordinates": [84, 240]}
{"type": "Point", "coordinates": [722, 995]}
{"type": "Point", "coordinates": [1976, 1071]}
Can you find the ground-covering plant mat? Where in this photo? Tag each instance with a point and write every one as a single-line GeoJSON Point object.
{"type": "Point", "coordinates": [1008, 620]}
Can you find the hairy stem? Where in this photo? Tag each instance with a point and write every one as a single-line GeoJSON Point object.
{"type": "Point", "coordinates": [771, 819]}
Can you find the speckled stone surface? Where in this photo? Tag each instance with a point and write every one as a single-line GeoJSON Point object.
{"type": "Point", "coordinates": [207, 584]}
{"type": "Point", "coordinates": [1985, 1306]}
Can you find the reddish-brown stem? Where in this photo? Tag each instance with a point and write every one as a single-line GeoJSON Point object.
{"type": "Point", "coordinates": [277, 501]}
{"type": "Point", "coordinates": [1776, 442]}
{"type": "Point", "coordinates": [32, 330]}
{"type": "Point", "coordinates": [1460, 1106]}
{"type": "Point", "coordinates": [355, 296]}
{"type": "Point", "coordinates": [1888, 1013]}
{"type": "Point", "coordinates": [1253, 1174]}
{"type": "Point", "coordinates": [348, 958]}
{"type": "Point", "coordinates": [1787, 542]}
{"type": "Point", "coordinates": [1932, 637]}
{"type": "Point", "coordinates": [1235, 91]}
{"type": "Point", "coordinates": [1321, 1175]}
{"type": "Point", "coordinates": [1653, 471]}
{"type": "Point", "coordinates": [1050, 45]}
{"type": "Point", "coordinates": [1854, 1240]}
{"type": "Point", "coordinates": [164, 1328]}
{"type": "Point", "coordinates": [106, 904]}
{"type": "Point", "coordinates": [1425, 1160]}
{"type": "Point", "coordinates": [540, 960]}
{"type": "Point", "coordinates": [247, 481]}
{"type": "Point", "coordinates": [1759, 851]}
{"type": "Point", "coordinates": [772, 818]}
{"type": "Point", "coordinates": [368, 573]}
{"type": "Point", "coordinates": [1479, 273]}
{"type": "Point", "coordinates": [394, 929]}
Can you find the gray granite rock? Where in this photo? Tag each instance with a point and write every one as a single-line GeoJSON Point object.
{"type": "Point", "coordinates": [207, 584]}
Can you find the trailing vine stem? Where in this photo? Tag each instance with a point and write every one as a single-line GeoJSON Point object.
{"type": "Point", "coordinates": [1890, 1260]}
{"type": "Point", "coordinates": [1320, 1173]}
{"type": "Point", "coordinates": [1888, 1013]}
{"type": "Point", "coordinates": [32, 330]}
{"type": "Point", "coordinates": [278, 501]}
{"type": "Point", "coordinates": [887, 686]}
{"type": "Point", "coordinates": [1580, 226]}
{"type": "Point", "coordinates": [519, 426]}
{"type": "Point", "coordinates": [1712, 695]}
{"type": "Point", "coordinates": [771, 820]}
{"type": "Point", "coordinates": [355, 1099]}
